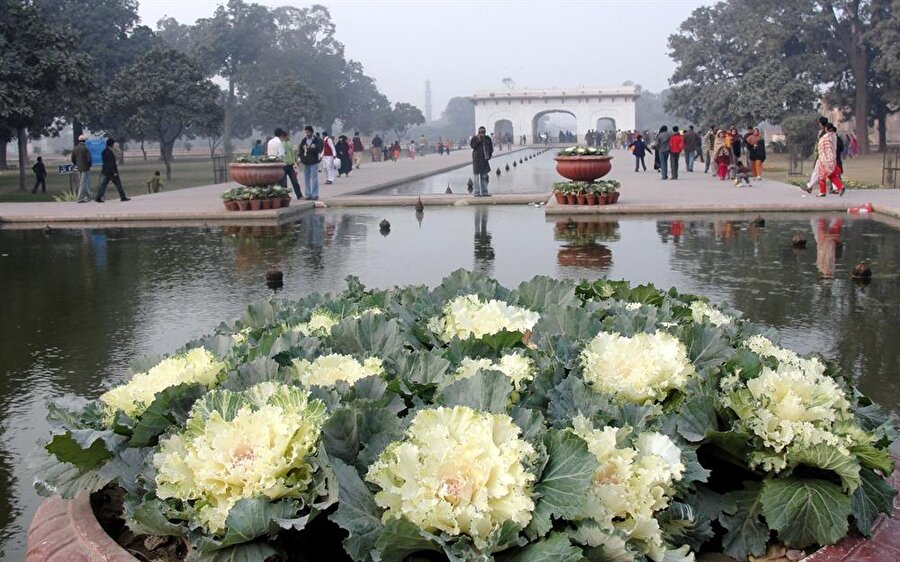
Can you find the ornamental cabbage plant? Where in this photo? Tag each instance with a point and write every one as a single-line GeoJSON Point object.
{"type": "Point", "coordinates": [470, 421]}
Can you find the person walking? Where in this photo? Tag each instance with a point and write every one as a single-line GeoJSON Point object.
{"type": "Point", "coordinates": [691, 148]}
{"type": "Point", "coordinates": [328, 153]}
{"type": "Point", "coordinates": [676, 146]}
{"type": "Point", "coordinates": [342, 150]}
{"type": "Point", "coordinates": [257, 149]}
{"type": "Point", "coordinates": [411, 150]}
{"type": "Point", "coordinates": [756, 150]}
{"type": "Point", "coordinates": [81, 157]}
{"type": "Point", "coordinates": [310, 149]}
{"type": "Point", "coordinates": [290, 159]}
{"type": "Point", "coordinates": [377, 146]}
{"type": "Point", "coordinates": [662, 151]}
{"type": "Point", "coordinates": [358, 149]}
{"type": "Point", "coordinates": [482, 151]}
{"type": "Point", "coordinates": [155, 184]}
{"type": "Point", "coordinates": [709, 141]}
{"type": "Point", "coordinates": [639, 149]}
{"type": "Point", "coordinates": [40, 175]}
{"type": "Point", "coordinates": [110, 173]}
{"type": "Point", "coordinates": [826, 164]}
{"type": "Point", "coordinates": [721, 155]}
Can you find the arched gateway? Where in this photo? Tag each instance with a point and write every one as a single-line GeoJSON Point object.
{"type": "Point", "coordinates": [523, 108]}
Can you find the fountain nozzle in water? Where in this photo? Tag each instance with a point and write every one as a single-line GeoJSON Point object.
{"type": "Point", "coordinates": [274, 278]}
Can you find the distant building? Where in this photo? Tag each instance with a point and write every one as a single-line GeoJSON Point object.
{"type": "Point", "coordinates": [428, 118]}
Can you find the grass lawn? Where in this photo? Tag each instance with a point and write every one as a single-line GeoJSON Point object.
{"type": "Point", "coordinates": [186, 172]}
{"type": "Point", "coordinates": [863, 169]}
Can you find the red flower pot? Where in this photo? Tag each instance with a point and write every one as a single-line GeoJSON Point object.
{"type": "Point", "coordinates": [615, 195]}
{"type": "Point", "coordinates": [591, 198]}
{"type": "Point", "coordinates": [604, 199]}
{"type": "Point", "coordinates": [255, 204]}
{"type": "Point", "coordinates": [265, 204]}
{"type": "Point", "coordinates": [275, 203]}
{"type": "Point", "coordinates": [231, 205]}
{"type": "Point", "coordinates": [583, 168]}
{"type": "Point", "coordinates": [257, 175]}
{"type": "Point", "coordinates": [560, 197]}
{"type": "Point", "coordinates": [571, 199]}
{"type": "Point", "coordinates": [244, 205]}
{"type": "Point", "coordinates": [285, 201]}
{"type": "Point", "coordinates": [581, 198]}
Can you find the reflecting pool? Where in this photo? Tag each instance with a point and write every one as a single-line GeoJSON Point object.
{"type": "Point", "coordinates": [78, 305]}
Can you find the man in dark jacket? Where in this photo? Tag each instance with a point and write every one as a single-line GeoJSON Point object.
{"type": "Point", "coordinates": [691, 148]}
{"type": "Point", "coordinates": [110, 173]}
{"type": "Point", "coordinates": [309, 152]}
{"type": "Point", "coordinates": [377, 145]}
{"type": "Point", "coordinates": [81, 157]}
{"type": "Point", "coordinates": [358, 149]}
{"type": "Point", "coordinates": [40, 175]}
{"type": "Point", "coordinates": [482, 151]}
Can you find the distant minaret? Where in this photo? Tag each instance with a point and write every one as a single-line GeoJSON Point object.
{"type": "Point", "coordinates": [427, 101]}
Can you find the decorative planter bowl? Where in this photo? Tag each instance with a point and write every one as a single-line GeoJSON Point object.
{"type": "Point", "coordinates": [583, 168]}
{"type": "Point", "coordinates": [256, 175]}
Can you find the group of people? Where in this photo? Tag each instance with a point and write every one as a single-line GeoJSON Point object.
{"type": "Point", "coordinates": [724, 147]}
{"type": "Point", "coordinates": [109, 172]}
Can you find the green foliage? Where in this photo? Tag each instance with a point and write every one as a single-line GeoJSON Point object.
{"type": "Point", "coordinates": [801, 132]}
{"type": "Point", "coordinates": [702, 424]}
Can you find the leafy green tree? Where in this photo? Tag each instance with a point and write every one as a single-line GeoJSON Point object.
{"type": "Point", "coordinates": [41, 72]}
{"type": "Point", "coordinates": [287, 103]}
{"type": "Point", "coordinates": [165, 95]}
{"type": "Point", "coordinates": [401, 117]}
{"type": "Point", "coordinates": [230, 44]}
{"type": "Point", "coordinates": [727, 74]}
{"type": "Point", "coordinates": [801, 133]}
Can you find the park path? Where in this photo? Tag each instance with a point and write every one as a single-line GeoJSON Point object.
{"type": "Point", "coordinates": [642, 193]}
{"type": "Point", "coordinates": [646, 193]}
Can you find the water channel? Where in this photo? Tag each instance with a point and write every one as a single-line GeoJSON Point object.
{"type": "Point", "coordinates": [80, 304]}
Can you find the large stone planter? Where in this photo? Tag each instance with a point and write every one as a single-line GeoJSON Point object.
{"type": "Point", "coordinates": [64, 531]}
{"type": "Point", "coordinates": [256, 175]}
{"type": "Point", "coordinates": [583, 168]}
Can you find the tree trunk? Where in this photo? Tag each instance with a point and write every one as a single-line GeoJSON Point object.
{"type": "Point", "coordinates": [859, 63]}
{"type": "Point", "coordinates": [882, 130]}
{"type": "Point", "coordinates": [143, 150]}
{"type": "Point", "coordinates": [22, 139]}
{"type": "Point", "coordinates": [3, 163]}
{"type": "Point", "coordinates": [229, 118]}
{"type": "Point", "coordinates": [77, 131]}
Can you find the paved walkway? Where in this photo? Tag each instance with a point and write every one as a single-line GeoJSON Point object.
{"type": "Point", "coordinates": [642, 193]}
{"type": "Point", "coordinates": [203, 204]}
{"type": "Point", "coordinates": [646, 193]}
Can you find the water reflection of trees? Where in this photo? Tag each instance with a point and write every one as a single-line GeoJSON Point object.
{"type": "Point", "coordinates": [582, 247]}
{"type": "Point", "coordinates": [780, 286]}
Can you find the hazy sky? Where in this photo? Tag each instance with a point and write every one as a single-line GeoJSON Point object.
{"type": "Point", "coordinates": [467, 45]}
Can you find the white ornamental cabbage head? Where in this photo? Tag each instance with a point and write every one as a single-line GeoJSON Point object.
{"type": "Point", "coordinates": [329, 369]}
{"type": "Point", "coordinates": [458, 471]}
{"type": "Point", "coordinates": [518, 368]}
{"type": "Point", "coordinates": [468, 316]}
{"type": "Point", "coordinates": [195, 366]}
{"type": "Point", "coordinates": [792, 407]}
{"type": "Point", "coordinates": [240, 445]}
{"type": "Point", "coordinates": [631, 484]}
{"type": "Point", "coordinates": [639, 369]}
{"type": "Point", "coordinates": [319, 324]}
{"type": "Point", "coordinates": [701, 311]}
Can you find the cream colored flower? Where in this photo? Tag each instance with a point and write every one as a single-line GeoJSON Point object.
{"type": "Point", "coordinates": [701, 311]}
{"type": "Point", "coordinates": [195, 366]}
{"type": "Point", "coordinates": [631, 484]}
{"type": "Point", "coordinates": [319, 324]}
{"type": "Point", "coordinates": [329, 369]}
{"type": "Point", "coordinates": [263, 449]}
{"type": "Point", "coordinates": [469, 316]}
{"type": "Point", "coordinates": [640, 369]}
{"type": "Point", "coordinates": [518, 368]}
{"type": "Point", "coordinates": [458, 471]}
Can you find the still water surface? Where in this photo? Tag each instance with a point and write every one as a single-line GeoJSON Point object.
{"type": "Point", "coordinates": [79, 305]}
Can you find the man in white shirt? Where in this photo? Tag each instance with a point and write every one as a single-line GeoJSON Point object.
{"type": "Point", "coordinates": [275, 147]}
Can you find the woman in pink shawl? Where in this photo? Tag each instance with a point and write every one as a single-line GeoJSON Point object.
{"type": "Point", "coordinates": [826, 164]}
